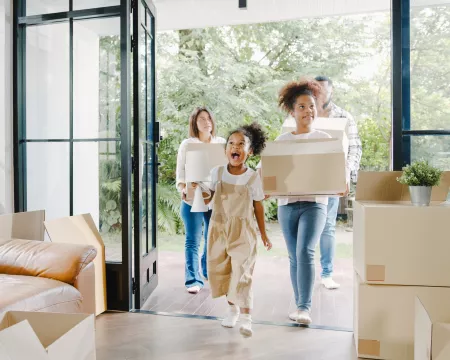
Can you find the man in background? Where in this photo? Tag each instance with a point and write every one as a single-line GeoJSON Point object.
{"type": "Point", "coordinates": [328, 238]}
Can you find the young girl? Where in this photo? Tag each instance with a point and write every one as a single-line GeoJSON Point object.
{"type": "Point", "coordinates": [237, 193]}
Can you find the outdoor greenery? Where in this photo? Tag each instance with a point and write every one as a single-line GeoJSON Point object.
{"type": "Point", "coordinates": [237, 71]}
{"type": "Point", "coordinates": [420, 173]}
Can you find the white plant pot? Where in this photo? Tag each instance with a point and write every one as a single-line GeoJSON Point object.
{"type": "Point", "coordinates": [420, 195]}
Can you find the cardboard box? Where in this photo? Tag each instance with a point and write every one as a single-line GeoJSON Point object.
{"type": "Point", "coordinates": [201, 159]}
{"type": "Point", "coordinates": [384, 318]}
{"type": "Point", "coordinates": [395, 242]}
{"type": "Point", "coordinates": [432, 332]}
{"type": "Point", "coordinates": [304, 167]}
{"type": "Point", "coordinates": [81, 229]}
{"type": "Point", "coordinates": [336, 127]}
{"type": "Point", "coordinates": [46, 336]}
{"type": "Point", "coordinates": [27, 225]}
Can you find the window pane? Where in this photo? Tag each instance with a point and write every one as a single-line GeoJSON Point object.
{"type": "Point", "coordinates": [435, 149]}
{"type": "Point", "coordinates": [430, 66]}
{"type": "Point", "coordinates": [96, 80]}
{"type": "Point", "coordinates": [48, 179]}
{"type": "Point", "coordinates": [38, 7]}
{"type": "Point", "coordinates": [90, 4]}
{"type": "Point", "coordinates": [47, 82]}
{"type": "Point", "coordinates": [97, 190]}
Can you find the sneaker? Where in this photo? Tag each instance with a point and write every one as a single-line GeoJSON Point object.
{"type": "Point", "coordinates": [330, 284]}
{"type": "Point", "coordinates": [304, 317]}
{"type": "Point", "coordinates": [246, 325]}
{"type": "Point", "coordinates": [294, 316]}
{"type": "Point", "coordinates": [232, 317]}
{"type": "Point", "coordinates": [193, 289]}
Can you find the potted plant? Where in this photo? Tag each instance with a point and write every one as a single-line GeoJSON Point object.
{"type": "Point", "coordinates": [420, 176]}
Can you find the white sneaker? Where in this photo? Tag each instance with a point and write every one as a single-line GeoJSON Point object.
{"type": "Point", "coordinates": [246, 325]}
{"type": "Point", "coordinates": [232, 317]}
{"type": "Point", "coordinates": [193, 289]}
{"type": "Point", "coordinates": [330, 284]}
{"type": "Point", "coordinates": [304, 317]}
{"type": "Point", "coordinates": [294, 316]}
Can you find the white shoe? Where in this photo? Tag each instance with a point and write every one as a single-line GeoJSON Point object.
{"type": "Point", "coordinates": [193, 289]}
{"type": "Point", "coordinates": [232, 317]}
{"type": "Point", "coordinates": [304, 317]}
{"type": "Point", "coordinates": [246, 325]}
{"type": "Point", "coordinates": [330, 284]}
{"type": "Point", "coordinates": [294, 316]}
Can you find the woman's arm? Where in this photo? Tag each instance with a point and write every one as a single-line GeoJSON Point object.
{"type": "Point", "coordinates": [259, 213]}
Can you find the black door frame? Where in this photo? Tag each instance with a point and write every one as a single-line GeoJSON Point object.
{"type": "Point", "coordinates": [119, 274]}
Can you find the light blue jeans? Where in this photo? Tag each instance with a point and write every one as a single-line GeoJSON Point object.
{"type": "Point", "coordinates": [302, 223]}
{"type": "Point", "coordinates": [193, 222]}
{"type": "Point", "coordinates": [328, 238]}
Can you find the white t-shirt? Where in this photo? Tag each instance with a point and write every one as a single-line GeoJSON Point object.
{"type": "Point", "coordinates": [256, 189]}
{"type": "Point", "coordinates": [314, 134]}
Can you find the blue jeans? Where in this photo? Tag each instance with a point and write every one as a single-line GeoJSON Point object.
{"type": "Point", "coordinates": [302, 223]}
{"type": "Point", "coordinates": [193, 222]}
{"type": "Point", "coordinates": [328, 238]}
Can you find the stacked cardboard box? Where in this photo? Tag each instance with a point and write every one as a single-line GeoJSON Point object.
{"type": "Point", "coordinates": [400, 252]}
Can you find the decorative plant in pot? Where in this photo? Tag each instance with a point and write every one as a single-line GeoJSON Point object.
{"type": "Point", "coordinates": [420, 176]}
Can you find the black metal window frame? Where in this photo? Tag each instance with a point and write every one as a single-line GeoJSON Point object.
{"type": "Point", "coordinates": [119, 276]}
{"type": "Point", "coordinates": [401, 87]}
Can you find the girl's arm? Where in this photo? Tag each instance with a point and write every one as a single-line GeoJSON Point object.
{"type": "Point", "coordinates": [259, 213]}
{"type": "Point", "coordinates": [207, 201]}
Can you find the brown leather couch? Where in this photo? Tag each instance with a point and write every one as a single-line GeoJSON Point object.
{"type": "Point", "coordinates": [45, 276]}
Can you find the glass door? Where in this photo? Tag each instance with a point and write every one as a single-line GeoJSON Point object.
{"type": "Point", "coordinates": [145, 138]}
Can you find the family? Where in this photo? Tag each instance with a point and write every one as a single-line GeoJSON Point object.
{"type": "Point", "coordinates": [236, 207]}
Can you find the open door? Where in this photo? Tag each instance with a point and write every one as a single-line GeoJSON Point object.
{"type": "Point", "coordinates": [145, 139]}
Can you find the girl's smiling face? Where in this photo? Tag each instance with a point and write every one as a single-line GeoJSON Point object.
{"type": "Point", "coordinates": [304, 111]}
{"type": "Point", "coordinates": [238, 149]}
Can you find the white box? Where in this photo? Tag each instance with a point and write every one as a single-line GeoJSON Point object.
{"type": "Point", "coordinates": [395, 242]}
{"type": "Point", "coordinates": [201, 159]}
{"type": "Point", "coordinates": [304, 167]}
{"type": "Point", "coordinates": [432, 332]}
{"type": "Point", "coordinates": [46, 336]}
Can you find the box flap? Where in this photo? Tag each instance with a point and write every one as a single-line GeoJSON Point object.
{"type": "Point", "coordinates": [13, 338]}
{"type": "Point", "coordinates": [441, 341]}
{"type": "Point", "coordinates": [338, 125]}
{"type": "Point", "coordinates": [383, 186]}
{"type": "Point", "coordinates": [27, 225]}
{"type": "Point", "coordinates": [422, 332]}
{"type": "Point", "coordinates": [303, 147]}
{"type": "Point", "coordinates": [81, 229]}
{"type": "Point", "coordinates": [444, 354]}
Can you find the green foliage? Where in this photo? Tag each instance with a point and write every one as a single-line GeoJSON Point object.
{"type": "Point", "coordinates": [420, 173]}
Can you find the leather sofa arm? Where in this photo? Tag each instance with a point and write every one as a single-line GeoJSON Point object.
{"type": "Point", "coordinates": [62, 262]}
{"type": "Point", "coordinates": [85, 283]}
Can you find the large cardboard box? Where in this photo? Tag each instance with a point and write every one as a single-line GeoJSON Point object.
{"type": "Point", "coordinates": [304, 167]}
{"type": "Point", "coordinates": [46, 336]}
{"type": "Point", "coordinates": [26, 225]}
{"type": "Point", "coordinates": [81, 229]}
{"type": "Point", "coordinates": [201, 159]}
{"type": "Point", "coordinates": [432, 332]}
{"type": "Point", "coordinates": [336, 127]}
{"type": "Point", "coordinates": [384, 317]}
{"type": "Point", "coordinates": [398, 243]}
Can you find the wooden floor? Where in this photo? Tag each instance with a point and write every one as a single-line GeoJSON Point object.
{"type": "Point", "coordinates": [129, 336]}
{"type": "Point", "coordinates": [273, 297]}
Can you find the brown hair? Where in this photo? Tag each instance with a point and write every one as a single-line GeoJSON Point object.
{"type": "Point", "coordinates": [293, 89]}
{"type": "Point", "coordinates": [193, 128]}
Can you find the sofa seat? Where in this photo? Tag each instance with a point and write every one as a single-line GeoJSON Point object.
{"type": "Point", "coordinates": [31, 293]}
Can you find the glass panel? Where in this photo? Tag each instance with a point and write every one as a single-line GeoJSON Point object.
{"type": "Point", "coordinates": [435, 149]}
{"type": "Point", "coordinates": [97, 190]}
{"type": "Point", "coordinates": [145, 205]}
{"type": "Point", "coordinates": [149, 21]}
{"type": "Point", "coordinates": [38, 7]}
{"type": "Point", "coordinates": [90, 4]}
{"type": "Point", "coordinates": [142, 13]}
{"type": "Point", "coordinates": [430, 66]}
{"type": "Point", "coordinates": [96, 80]}
{"type": "Point", "coordinates": [48, 178]}
{"type": "Point", "coordinates": [143, 85]}
{"type": "Point", "coordinates": [150, 96]}
{"type": "Point", "coordinates": [47, 82]}
{"type": "Point", "coordinates": [150, 199]}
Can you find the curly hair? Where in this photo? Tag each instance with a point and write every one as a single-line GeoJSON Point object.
{"type": "Point", "coordinates": [255, 133]}
{"type": "Point", "coordinates": [293, 89]}
{"type": "Point", "coordinates": [193, 128]}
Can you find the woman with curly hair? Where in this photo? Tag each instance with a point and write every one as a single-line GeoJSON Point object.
{"type": "Point", "coordinates": [302, 219]}
{"type": "Point", "coordinates": [237, 195]}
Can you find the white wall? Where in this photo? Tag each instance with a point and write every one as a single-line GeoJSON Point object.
{"type": "Point", "coordinates": [6, 173]}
